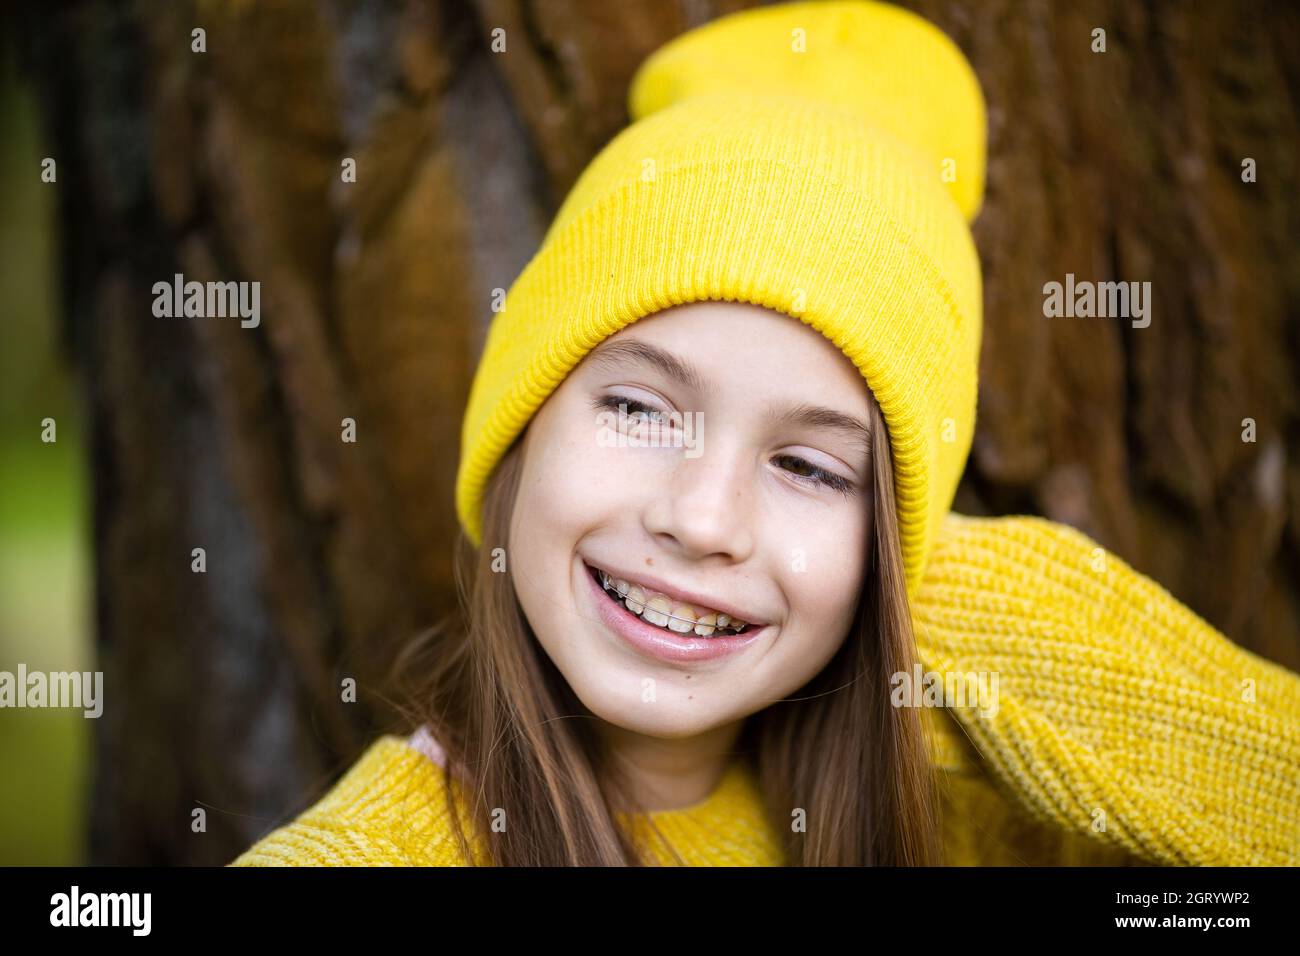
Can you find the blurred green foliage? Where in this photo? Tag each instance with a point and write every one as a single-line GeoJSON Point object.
{"type": "Point", "coordinates": [45, 539]}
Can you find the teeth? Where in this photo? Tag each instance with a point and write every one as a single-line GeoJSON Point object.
{"type": "Point", "coordinates": [662, 612]}
{"type": "Point", "coordinates": [683, 620]}
{"type": "Point", "coordinates": [657, 610]}
{"type": "Point", "coordinates": [635, 599]}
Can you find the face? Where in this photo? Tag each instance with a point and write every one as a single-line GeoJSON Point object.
{"type": "Point", "coordinates": [712, 493]}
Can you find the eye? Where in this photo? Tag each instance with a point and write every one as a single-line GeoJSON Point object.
{"type": "Point", "coordinates": [638, 413]}
{"type": "Point", "coordinates": [816, 477]}
{"type": "Point", "coordinates": [800, 469]}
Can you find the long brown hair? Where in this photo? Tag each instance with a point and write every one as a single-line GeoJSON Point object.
{"type": "Point", "coordinates": [517, 738]}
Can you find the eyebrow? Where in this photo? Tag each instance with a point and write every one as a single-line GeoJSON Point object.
{"type": "Point", "coordinates": [683, 373]}
{"type": "Point", "coordinates": [633, 350]}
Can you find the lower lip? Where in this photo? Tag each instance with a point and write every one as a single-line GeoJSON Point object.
{"type": "Point", "coordinates": [658, 642]}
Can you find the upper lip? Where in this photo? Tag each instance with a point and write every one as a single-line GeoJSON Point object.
{"type": "Point", "coordinates": [682, 595]}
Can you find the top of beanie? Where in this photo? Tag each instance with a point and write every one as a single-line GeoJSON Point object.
{"type": "Point", "coordinates": [893, 68]}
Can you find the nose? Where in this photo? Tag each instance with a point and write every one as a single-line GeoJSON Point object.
{"type": "Point", "coordinates": [706, 506]}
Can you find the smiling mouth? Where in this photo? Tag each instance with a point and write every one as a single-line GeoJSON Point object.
{"type": "Point", "coordinates": [669, 615]}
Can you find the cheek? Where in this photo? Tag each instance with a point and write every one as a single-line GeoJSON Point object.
{"type": "Point", "coordinates": [568, 486]}
{"type": "Point", "coordinates": [558, 467]}
{"type": "Point", "coordinates": [824, 594]}
{"type": "Point", "coordinates": [585, 484]}
{"type": "Point", "coordinates": [825, 601]}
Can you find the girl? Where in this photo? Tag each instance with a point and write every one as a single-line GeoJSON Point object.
{"type": "Point", "coordinates": [717, 609]}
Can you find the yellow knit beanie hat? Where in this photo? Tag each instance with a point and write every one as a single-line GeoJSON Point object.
{"type": "Point", "coordinates": [822, 159]}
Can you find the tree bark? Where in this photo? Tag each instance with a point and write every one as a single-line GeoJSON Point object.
{"type": "Point", "coordinates": [223, 688]}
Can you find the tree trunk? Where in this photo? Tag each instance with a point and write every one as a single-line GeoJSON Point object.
{"type": "Point", "coordinates": [224, 688]}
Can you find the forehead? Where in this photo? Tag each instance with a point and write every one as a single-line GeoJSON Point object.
{"type": "Point", "coordinates": [736, 344]}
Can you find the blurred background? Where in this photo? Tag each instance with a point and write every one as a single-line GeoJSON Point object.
{"type": "Point", "coordinates": [222, 688]}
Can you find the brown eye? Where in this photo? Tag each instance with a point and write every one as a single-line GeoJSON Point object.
{"type": "Point", "coordinates": [810, 474]}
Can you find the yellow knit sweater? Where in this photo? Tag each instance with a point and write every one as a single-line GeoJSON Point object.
{"type": "Point", "coordinates": [1126, 731]}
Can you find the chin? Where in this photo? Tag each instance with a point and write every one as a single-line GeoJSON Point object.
{"type": "Point", "coordinates": [673, 713]}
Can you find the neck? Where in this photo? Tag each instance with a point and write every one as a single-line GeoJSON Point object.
{"type": "Point", "coordinates": [671, 773]}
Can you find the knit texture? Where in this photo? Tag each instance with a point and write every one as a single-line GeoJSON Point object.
{"type": "Point", "coordinates": [390, 809]}
{"type": "Point", "coordinates": [1122, 716]}
{"type": "Point", "coordinates": [792, 157]}
{"type": "Point", "coordinates": [1123, 733]}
